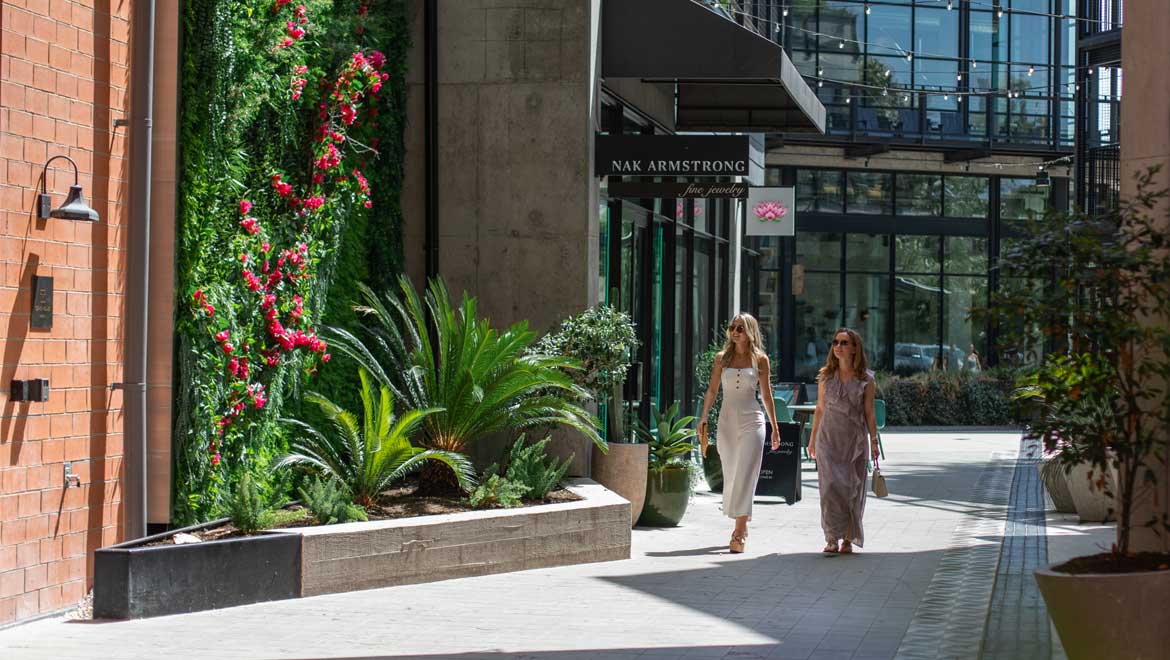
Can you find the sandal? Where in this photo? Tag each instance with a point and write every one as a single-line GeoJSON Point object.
{"type": "Point", "coordinates": [830, 548]}
{"type": "Point", "coordinates": [846, 548]}
{"type": "Point", "coordinates": [737, 542]}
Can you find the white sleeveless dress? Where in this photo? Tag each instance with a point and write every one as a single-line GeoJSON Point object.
{"type": "Point", "coordinates": [740, 439]}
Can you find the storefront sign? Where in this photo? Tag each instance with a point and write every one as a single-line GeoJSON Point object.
{"type": "Point", "coordinates": [771, 212]}
{"type": "Point", "coordinates": [672, 155]}
{"type": "Point", "coordinates": [640, 190]}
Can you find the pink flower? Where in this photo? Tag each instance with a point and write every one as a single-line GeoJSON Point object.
{"type": "Point", "coordinates": [325, 358]}
{"type": "Point", "coordinates": [222, 335]}
{"type": "Point", "coordinates": [245, 206]}
{"type": "Point", "coordinates": [368, 204]}
{"type": "Point", "coordinates": [215, 459]}
{"type": "Point", "coordinates": [286, 43]}
{"type": "Point", "coordinates": [348, 114]}
{"type": "Point", "coordinates": [295, 31]}
{"type": "Point", "coordinates": [250, 225]}
{"type": "Point", "coordinates": [315, 202]}
{"type": "Point", "coordinates": [210, 309]}
{"type": "Point", "coordinates": [299, 12]}
{"type": "Point", "coordinates": [199, 296]}
{"type": "Point", "coordinates": [770, 210]}
{"type": "Point", "coordinates": [266, 246]}
{"type": "Point", "coordinates": [227, 349]}
{"type": "Point", "coordinates": [377, 59]}
{"type": "Point", "coordinates": [300, 68]}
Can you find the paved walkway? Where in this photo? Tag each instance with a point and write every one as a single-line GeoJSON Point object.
{"type": "Point", "coordinates": [922, 587]}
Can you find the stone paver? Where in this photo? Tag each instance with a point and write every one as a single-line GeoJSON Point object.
{"type": "Point", "coordinates": [680, 596]}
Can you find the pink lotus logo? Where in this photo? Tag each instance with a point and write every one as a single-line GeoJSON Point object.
{"type": "Point", "coordinates": [770, 210]}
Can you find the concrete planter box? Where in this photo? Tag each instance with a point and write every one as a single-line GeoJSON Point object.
{"type": "Point", "coordinates": [385, 553]}
{"type": "Point", "coordinates": [132, 581]}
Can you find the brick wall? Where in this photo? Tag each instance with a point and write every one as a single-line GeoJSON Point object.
{"type": "Point", "coordinates": [63, 80]}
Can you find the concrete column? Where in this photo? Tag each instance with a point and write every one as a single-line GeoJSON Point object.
{"type": "Point", "coordinates": [518, 203]}
{"type": "Point", "coordinates": [1145, 141]}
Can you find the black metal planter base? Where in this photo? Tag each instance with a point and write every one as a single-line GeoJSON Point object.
{"type": "Point", "coordinates": [132, 581]}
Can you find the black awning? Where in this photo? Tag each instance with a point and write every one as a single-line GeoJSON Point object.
{"type": "Point", "coordinates": [729, 78]}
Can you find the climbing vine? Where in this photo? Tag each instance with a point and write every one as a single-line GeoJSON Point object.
{"type": "Point", "coordinates": [291, 137]}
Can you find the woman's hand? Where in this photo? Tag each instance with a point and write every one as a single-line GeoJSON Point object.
{"type": "Point", "coordinates": [874, 449]}
{"type": "Point", "coordinates": [703, 437]}
{"type": "Point", "coordinates": [775, 437]}
{"type": "Point", "coordinates": [812, 450]}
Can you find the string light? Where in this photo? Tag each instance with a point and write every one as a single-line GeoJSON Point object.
{"type": "Point", "coordinates": [959, 77]}
{"type": "Point", "coordinates": [841, 44]}
{"type": "Point", "coordinates": [999, 14]}
{"type": "Point", "coordinates": [867, 9]}
{"type": "Point", "coordinates": [1031, 70]}
{"type": "Point", "coordinates": [949, 5]}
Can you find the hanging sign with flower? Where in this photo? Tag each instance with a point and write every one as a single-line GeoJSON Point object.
{"type": "Point", "coordinates": [771, 212]}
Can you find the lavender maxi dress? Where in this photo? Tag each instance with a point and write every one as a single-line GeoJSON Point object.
{"type": "Point", "coordinates": [740, 438]}
{"type": "Point", "coordinates": [842, 449]}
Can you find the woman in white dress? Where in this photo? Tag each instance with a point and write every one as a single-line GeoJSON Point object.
{"type": "Point", "coordinates": [740, 368]}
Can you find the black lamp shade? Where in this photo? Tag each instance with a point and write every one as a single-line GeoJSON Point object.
{"type": "Point", "coordinates": [75, 207]}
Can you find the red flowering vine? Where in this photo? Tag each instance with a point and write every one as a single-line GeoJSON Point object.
{"type": "Point", "coordinates": [273, 283]}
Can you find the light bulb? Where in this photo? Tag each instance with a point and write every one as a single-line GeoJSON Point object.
{"type": "Point", "coordinates": [946, 97]}
{"type": "Point", "coordinates": [999, 14]}
{"type": "Point", "coordinates": [867, 9]}
{"type": "Point", "coordinates": [848, 99]}
{"type": "Point", "coordinates": [959, 77]}
{"type": "Point", "coordinates": [885, 92]}
{"type": "Point", "coordinates": [820, 83]}
{"type": "Point", "coordinates": [949, 5]}
{"type": "Point", "coordinates": [841, 44]}
{"type": "Point", "coordinates": [820, 72]}
{"type": "Point", "coordinates": [909, 57]}
{"type": "Point", "coordinates": [785, 12]}
{"type": "Point", "coordinates": [905, 97]}
{"type": "Point", "coordinates": [959, 98]}
{"type": "Point", "coordinates": [1031, 70]}
{"type": "Point", "coordinates": [974, 64]}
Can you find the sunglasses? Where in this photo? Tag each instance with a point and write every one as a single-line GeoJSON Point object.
{"type": "Point", "coordinates": [736, 328]}
{"type": "Point", "coordinates": [842, 342]}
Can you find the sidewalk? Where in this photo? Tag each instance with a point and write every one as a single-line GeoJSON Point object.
{"type": "Point", "coordinates": [921, 587]}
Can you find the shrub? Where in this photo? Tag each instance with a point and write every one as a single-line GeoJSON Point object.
{"type": "Point", "coordinates": [365, 460]}
{"type": "Point", "coordinates": [497, 491]}
{"type": "Point", "coordinates": [479, 379]}
{"type": "Point", "coordinates": [247, 509]}
{"type": "Point", "coordinates": [932, 399]}
{"type": "Point", "coordinates": [601, 339]}
{"type": "Point", "coordinates": [531, 467]}
{"type": "Point", "coordinates": [329, 503]}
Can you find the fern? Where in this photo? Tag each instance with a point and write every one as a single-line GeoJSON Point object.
{"type": "Point", "coordinates": [330, 504]}
{"type": "Point", "coordinates": [531, 466]}
{"type": "Point", "coordinates": [497, 491]}
{"type": "Point", "coordinates": [247, 509]}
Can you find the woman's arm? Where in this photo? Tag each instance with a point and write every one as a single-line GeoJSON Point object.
{"type": "Point", "coordinates": [871, 418]}
{"type": "Point", "coordinates": [812, 439]}
{"type": "Point", "coordinates": [765, 377]}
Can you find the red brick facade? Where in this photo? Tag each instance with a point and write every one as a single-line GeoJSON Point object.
{"type": "Point", "coordinates": [64, 71]}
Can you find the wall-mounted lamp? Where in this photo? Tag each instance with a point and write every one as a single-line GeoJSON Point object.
{"type": "Point", "coordinates": [74, 207]}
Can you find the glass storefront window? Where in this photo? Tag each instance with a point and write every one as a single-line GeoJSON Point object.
{"type": "Point", "coordinates": [1019, 197]}
{"type": "Point", "coordinates": [868, 192]}
{"type": "Point", "coordinates": [840, 20]}
{"type": "Point", "coordinates": [682, 369]}
{"type": "Point", "coordinates": [817, 314]}
{"type": "Point", "coordinates": [1030, 35]}
{"type": "Point", "coordinates": [988, 36]}
{"type": "Point", "coordinates": [603, 254]}
{"type": "Point", "coordinates": [966, 196]}
{"type": "Point", "coordinates": [916, 317]}
{"type": "Point", "coordinates": [919, 194]}
{"type": "Point", "coordinates": [936, 31]}
{"type": "Point", "coordinates": [889, 29]}
{"type": "Point", "coordinates": [819, 191]}
{"type": "Point", "coordinates": [867, 305]}
{"type": "Point", "coordinates": [961, 335]}
{"type": "Point", "coordinates": [965, 254]}
{"type": "Point", "coordinates": [769, 312]}
{"type": "Point", "coordinates": [701, 295]}
{"type": "Point", "coordinates": [916, 254]}
{"type": "Point", "coordinates": [818, 250]}
{"type": "Point", "coordinates": [867, 252]}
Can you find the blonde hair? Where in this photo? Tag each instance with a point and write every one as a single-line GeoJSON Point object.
{"type": "Point", "coordinates": [751, 328]}
{"type": "Point", "coordinates": [860, 363]}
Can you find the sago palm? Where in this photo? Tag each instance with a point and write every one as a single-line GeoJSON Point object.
{"type": "Point", "coordinates": [670, 444]}
{"type": "Point", "coordinates": [481, 378]}
{"type": "Point", "coordinates": [367, 459]}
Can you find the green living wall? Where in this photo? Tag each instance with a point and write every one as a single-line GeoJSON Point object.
{"type": "Point", "coordinates": [291, 150]}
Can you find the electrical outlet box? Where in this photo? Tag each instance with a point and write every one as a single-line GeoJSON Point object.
{"type": "Point", "coordinates": [18, 390]}
{"type": "Point", "coordinates": [38, 389]}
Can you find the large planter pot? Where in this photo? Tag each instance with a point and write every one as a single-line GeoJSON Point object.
{"type": "Point", "coordinates": [623, 470]}
{"type": "Point", "coordinates": [133, 581]}
{"type": "Point", "coordinates": [668, 492]}
{"type": "Point", "coordinates": [1092, 504]}
{"type": "Point", "coordinates": [1056, 483]}
{"type": "Point", "coordinates": [1109, 616]}
{"type": "Point", "coordinates": [713, 469]}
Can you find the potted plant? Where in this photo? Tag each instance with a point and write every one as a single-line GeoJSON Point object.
{"type": "Point", "coordinates": [712, 465]}
{"type": "Point", "coordinates": [601, 340]}
{"type": "Point", "coordinates": [1096, 291]}
{"type": "Point", "coordinates": [668, 481]}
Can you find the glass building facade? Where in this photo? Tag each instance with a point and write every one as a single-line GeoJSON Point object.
{"type": "Point", "coordinates": [931, 70]}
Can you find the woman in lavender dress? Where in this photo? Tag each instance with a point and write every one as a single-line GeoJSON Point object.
{"type": "Point", "coordinates": [843, 419]}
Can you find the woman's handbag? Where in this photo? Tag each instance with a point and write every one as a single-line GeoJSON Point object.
{"type": "Point", "coordinates": [878, 481]}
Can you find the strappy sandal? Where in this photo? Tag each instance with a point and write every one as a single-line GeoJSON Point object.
{"type": "Point", "coordinates": [830, 548]}
{"type": "Point", "coordinates": [846, 548]}
{"type": "Point", "coordinates": [738, 540]}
